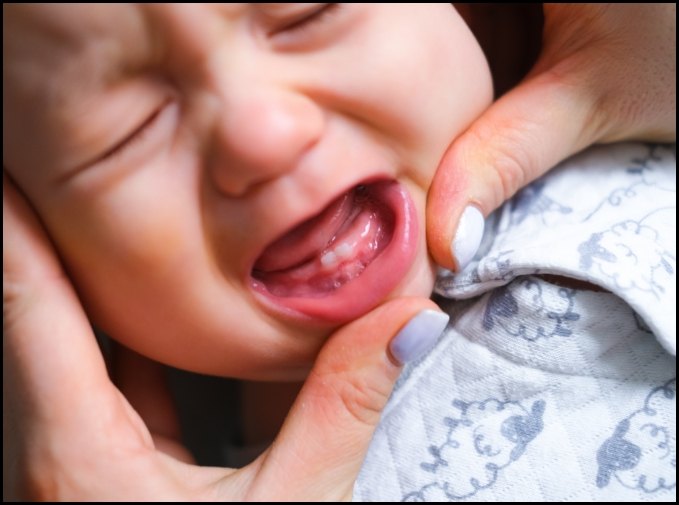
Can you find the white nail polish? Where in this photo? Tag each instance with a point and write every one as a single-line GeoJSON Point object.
{"type": "Point", "coordinates": [418, 335]}
{"type": "Point", "coordinates": [468, 236]}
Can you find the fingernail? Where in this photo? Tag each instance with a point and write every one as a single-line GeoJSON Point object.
{"type": "Point", "coordinates": [468, 236]}
{"type": "Point", "coordinates": [418, 336]}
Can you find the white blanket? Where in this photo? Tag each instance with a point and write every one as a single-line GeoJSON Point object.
{"type": "Point", "coordinates": [544, 392]}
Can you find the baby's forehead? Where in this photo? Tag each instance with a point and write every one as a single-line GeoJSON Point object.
{"type": "Point", "coordinates": [57, 51]}
{"type": "Point", "coordinates": [57, 34]}
{"type": "Point", "coordinates": [63, 62]}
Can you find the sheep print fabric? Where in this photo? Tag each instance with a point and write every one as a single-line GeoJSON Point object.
{"type": "Point", "coordinates": [556, 377]}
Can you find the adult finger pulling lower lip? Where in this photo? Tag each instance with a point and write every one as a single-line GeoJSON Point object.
{"type": "Point", "coordinates": [323, 442]}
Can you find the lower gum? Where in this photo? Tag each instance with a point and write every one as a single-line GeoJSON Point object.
{"type": "Point", "coordinates": [322, 285]}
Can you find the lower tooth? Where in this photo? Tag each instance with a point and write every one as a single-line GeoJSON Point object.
{"type": "Point", "coordinates": [343, 251]}
{"type": "Point", "coordinates": [329, 259]}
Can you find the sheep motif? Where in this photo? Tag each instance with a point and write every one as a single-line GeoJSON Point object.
{"type": "Point", "coordinates": [486, 437]}
{"type": "Point", "coordinates": [641, 453]}
{"type": "Point", "coordinates": [630, 255]}
{"type": "Point", "coordinates": [531, 309]}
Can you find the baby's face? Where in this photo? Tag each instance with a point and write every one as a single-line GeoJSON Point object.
{"type": "Point", "coordinates": [227, 184]}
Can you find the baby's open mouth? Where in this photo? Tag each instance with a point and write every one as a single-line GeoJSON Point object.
{"type": "Point", "coordinates": [329, 250]}
{"type": "Point", "coordinates": [346, 259]}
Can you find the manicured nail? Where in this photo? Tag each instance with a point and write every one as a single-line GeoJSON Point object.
{"type": "Point", "coordinates": [418, 335]}
{"type": "Point", "coordinates": [468, 236]}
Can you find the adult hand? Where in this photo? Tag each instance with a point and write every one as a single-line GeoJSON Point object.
{"type": "Point", "coordinates": [605, 73]}
{"type": "Point", "coordinates": [71, 434]}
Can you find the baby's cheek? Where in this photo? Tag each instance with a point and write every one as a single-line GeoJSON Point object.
{"type": "Point", "coordinates": [439, 86]}
{"type": "Point", "coordinates": [121, 257]}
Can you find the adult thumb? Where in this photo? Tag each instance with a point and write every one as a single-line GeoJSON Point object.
{"type": "Point", "coordinates": [323, 442]}
{"type": "Point", "coordinates": [517, 139]}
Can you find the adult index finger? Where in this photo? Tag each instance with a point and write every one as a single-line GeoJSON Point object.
{"type": "Point", "coordinates": [50, 353]}
{"type": "Point", "coordinates": [323, 442]}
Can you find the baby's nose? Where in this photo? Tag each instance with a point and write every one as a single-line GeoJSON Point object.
{"type": "Point", "coordinates": [260, 136]}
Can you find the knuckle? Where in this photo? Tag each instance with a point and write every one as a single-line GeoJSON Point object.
{"type": "Point", "coordinates": [23, 292]}
{"type": "Point", "coordinates": [504, 149]}
{"type": "Point", "coordinates": [16, 299]}
{"type": "Point", "coordinates": [363, 399]}
{"type": "Point", "coordinates": [510, 170]}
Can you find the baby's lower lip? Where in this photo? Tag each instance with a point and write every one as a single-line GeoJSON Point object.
{"type": "Point", "coordinates": [342, 263]}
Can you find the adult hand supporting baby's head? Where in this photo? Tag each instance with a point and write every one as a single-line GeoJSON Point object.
{"type": "Point", "coordinates": [70, 433]}
{"type": "Point", "coordinates": [605, 73]}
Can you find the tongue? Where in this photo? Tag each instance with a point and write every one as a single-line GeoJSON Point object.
{"type": "Point", "coordinates": [308, 239]}
{"type": "Point", "coordinates": [325, 252]}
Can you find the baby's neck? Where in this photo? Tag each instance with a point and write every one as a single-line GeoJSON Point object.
{"type": "Point", "coordinates": [264, 406]}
